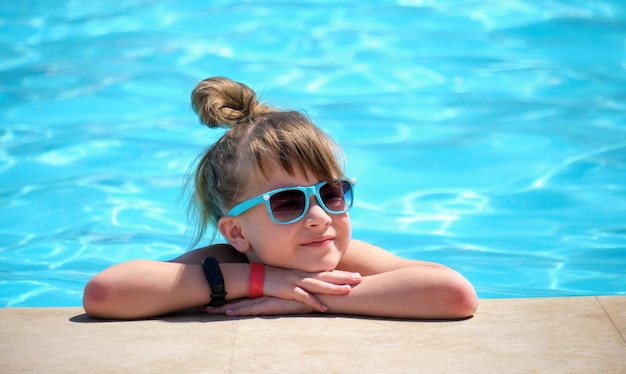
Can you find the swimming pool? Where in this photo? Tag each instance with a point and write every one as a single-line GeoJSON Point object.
{"type": "Point", "coordinates": [486, 135]}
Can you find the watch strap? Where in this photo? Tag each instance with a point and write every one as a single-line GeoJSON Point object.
{"type": "Point", "coordinates": [213, 275]}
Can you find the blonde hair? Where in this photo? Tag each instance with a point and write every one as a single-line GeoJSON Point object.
{"type": "Point", "coordinates": [258, 136]}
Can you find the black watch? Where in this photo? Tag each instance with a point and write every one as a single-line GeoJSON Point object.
{"type": "Point", "coordinates": [213, 275]}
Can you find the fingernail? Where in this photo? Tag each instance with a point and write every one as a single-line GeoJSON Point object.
{"type": "Point", "coordinates": [356, 276]}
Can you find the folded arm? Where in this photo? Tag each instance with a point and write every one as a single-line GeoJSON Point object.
{"type": "Point", "coordinates": [146, 288]}
{"type": "Point", "coordinates": [391, 287]}
{"type": "Point", "coordinates": [402, 288]}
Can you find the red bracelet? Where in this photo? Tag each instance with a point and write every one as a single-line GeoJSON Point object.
{"type": "Point", "coordinates": [257, 277]}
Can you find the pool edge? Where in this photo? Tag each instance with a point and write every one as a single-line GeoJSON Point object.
{"type": "Point", "coordinates": [567, 334]}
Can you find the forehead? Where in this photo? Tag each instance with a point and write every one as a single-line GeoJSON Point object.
{"type": "Point", "coordinates": [275, 176]}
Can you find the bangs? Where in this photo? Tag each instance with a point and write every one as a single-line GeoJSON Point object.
{"type": "Point", "coordinates": [290, 140]}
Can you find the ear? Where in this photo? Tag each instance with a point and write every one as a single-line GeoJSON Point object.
{"type": "Point", "coordinates": [230, 229]}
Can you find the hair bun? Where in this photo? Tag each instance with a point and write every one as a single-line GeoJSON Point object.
{"type": "Point", "coordinates": [222, 102]}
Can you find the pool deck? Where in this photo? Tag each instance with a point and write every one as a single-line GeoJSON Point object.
{"type": "Point", "coordinates": [556, 335]}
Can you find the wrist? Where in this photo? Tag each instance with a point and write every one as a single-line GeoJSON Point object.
{"type": "Point", "coordinates": [257, 279]}
{"type": "Point", "coordinates": [214, 277]}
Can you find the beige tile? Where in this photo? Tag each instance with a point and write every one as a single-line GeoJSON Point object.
{"type": "Point", "coordinates": [572, 335]}
{"type": "Point", "coordinates": [615, 307]}
{"type": "Point", "coordinates": [323, 344]}
{"type": "Point", "coordinates": [47, 341]}
{"type": "Point", "coordinates": [566, 335]}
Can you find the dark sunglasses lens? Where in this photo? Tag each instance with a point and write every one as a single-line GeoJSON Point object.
{"type": "Point", "coordinates": [287, 205]}
{"type": "Point", "coordinates": [337, 197]}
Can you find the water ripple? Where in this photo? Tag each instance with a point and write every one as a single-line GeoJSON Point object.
{"type": "Point", "coordinates": [484, 135]}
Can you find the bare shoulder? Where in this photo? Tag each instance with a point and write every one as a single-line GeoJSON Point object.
{"type": "Point", "coordinates": [224, 253]}
{"type": "Point", "coordinates": [369, 259]}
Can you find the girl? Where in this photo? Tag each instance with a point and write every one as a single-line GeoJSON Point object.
{"type": "Point", "coordinates": [274, 188]}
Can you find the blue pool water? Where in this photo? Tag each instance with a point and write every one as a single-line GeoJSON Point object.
{"type": "Point", "coordinates": [486, 135]}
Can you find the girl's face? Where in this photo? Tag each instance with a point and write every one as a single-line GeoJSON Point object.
{"type": "Point", "coordinates": [315, 243]}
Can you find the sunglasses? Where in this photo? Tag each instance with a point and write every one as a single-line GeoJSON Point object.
{"type": "Point", "coordinates": [290, 204]}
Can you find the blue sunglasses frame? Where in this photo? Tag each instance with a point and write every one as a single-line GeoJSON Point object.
{"type": "Point", "coordinates": [307, 190]}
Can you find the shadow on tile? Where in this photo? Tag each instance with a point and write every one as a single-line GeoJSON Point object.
{"type": "Point", "coordinates": [191, 315]}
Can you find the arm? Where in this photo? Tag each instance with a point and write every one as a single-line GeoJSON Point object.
{"type": "Point", "coordinates": [413, 292]}
{"type": "Point", "coordinates": [144, 288]}
{"type": "Point", "coordinates": [396, 287]}
{"type": "Point", "coordinates": [391, 287]}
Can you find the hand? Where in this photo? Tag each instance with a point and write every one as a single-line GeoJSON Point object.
{"type": "Point", "coordinates": [300, 286]}
{"type": "Point", "coordinates": [259, 306]}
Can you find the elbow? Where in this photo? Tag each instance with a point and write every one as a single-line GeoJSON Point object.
{"type": "Point", "coordinates": [98, 298]}
{"type": "Point", "coordinates": [461, 300]}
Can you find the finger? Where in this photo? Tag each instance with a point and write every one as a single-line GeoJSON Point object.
{"type": "Point", "coordinates": [211, 310]}
{"type": "Point", "coordinates": [250, 307]}
{"type": "Point", "coordinates": [243, 311]}
{"type": "Point", "coordinates": [270, 306]}
{"type": "Point", "coordinates": [287, 284]}
{"type": "Point", "coordinates": [310, 300]}
{"type": "Point", "coordinates": [222, 309]}
{"type": "Point", "coordinates": [339, 277]}
{"type": "Point", "coordinates": [317, 286]}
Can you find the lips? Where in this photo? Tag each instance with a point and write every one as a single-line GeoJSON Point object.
{"type": "Point", "coordinates": [319, 241]}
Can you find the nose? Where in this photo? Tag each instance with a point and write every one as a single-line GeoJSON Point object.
{"type": "Point", "coordinates": [317, 216]}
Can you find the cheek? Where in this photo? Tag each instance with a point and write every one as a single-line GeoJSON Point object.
{"type": "Point", "coordinates": [257, 219]}
{"type": "Point", "coordinates": [344, 228]}
{"type": "Point", "coordinates": [268, 237]}
{"type": "Point", "coordinates": [345, 223]}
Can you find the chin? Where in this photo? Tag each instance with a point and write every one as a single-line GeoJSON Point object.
{"type": "Point", "coordinates": [325, 264]}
